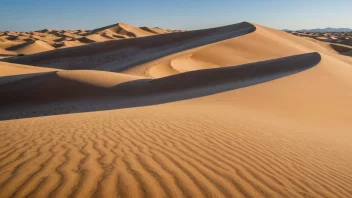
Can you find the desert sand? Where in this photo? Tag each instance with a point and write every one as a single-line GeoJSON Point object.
{"type": "Point", "coordinates": [235, 111]}
{"type": "Point", "coordinates": [24, 43]}
{"type": "Point", "coordinates": [338, 41]}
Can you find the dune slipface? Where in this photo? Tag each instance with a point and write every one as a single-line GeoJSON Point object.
{"type": "Point", "coordinates": [236, 111]}
{"type": "Point", "coordinates": [122, 54]}
{"type": "Point", "coordinates": [32, 95]}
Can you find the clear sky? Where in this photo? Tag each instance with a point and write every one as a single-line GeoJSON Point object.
{"type": "Point", "coordinates": [26, 15]}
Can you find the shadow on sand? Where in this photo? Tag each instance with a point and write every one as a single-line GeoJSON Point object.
{"type": "Point", "coordinates": [44, 94]}
{"type": "Point", "coordinates": [118, 55]}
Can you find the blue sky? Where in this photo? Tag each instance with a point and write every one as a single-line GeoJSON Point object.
{"type": "Point", "coordinates": [26, 15]}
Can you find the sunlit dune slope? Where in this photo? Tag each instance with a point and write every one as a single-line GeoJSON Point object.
{"type": "Point", "coordinates": [32, 47]}
{"type": "Point", "coordinates": [112, 90]}
{"type": "Point", "coordinates": [272, 139]}
{"type": "Point", "coordinates": [237, 111]}
{"type": "Point", "coordinates": [26, 43]}
{"type": "Point", "coordinates": [124, 30]}
{"type": "Point", "coordinates": [11, 69]}
{"type": "Point", "coordinates": [122, 54]}
{"type": "Point", "coordinates": [262, 44]}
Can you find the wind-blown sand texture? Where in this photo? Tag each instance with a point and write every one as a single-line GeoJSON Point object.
{"type": "Point", "coordinates": [235, 111]}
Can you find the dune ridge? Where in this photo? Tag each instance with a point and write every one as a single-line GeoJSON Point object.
{"type": "Point", "coordinates": [33, 47]}
{"type": "Point", "coordinates": [106, 90]}
{"type": "Point", "coordinates": [124, 30]}
{"type": "Point", "coordinates": [25, 43]}
{"type": "Point", "coordinates": [11, 69]}
{"type": "Point", "coordinates": [237, 111]}
{"type": "Point", "coordinates": [262, 44]}
{"type": "Point", "coordinates": [122, 54]}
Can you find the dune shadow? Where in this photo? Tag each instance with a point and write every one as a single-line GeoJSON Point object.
{"type": "Point", "coordinates": [8, 55]}
{"type": "Point", "coordinates": [46, 94]}
{"type": "Point", "coordinates": [341, 48]}
{"type": "Point", "coordinates": [105, 56]}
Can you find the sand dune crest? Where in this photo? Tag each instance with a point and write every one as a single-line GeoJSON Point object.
{"type": "Point", "coordinates": [76, 89]}
{"type": "Point", "coordinates": [236, 111]}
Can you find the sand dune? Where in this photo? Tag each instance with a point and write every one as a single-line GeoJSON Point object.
{"type": "Point", "coordinates": [64, 44]}
{"type": "Point", "coordinates": [97, 78]}
{"type": "Point", "coordinates": [70, 88]}
{"type": "Point", "coordinates": [255, 43]}
{"type": "Point", "coordinates": [262, 44]}
{"type": "Point", "coordinates": [155, 30]}
{"type": "Point", "coordinates": [30, 48]}
{"type": "Point", "coordinates": [5, 53]}
{"type": "Point", "coordinates": [7, 44]}
{"type": "Point", "coordinates": [46, 39]}
{"type": "Point", "coordinates": [237, 111]}
{"type": "Point", "coordinates": [123, 29]}
{"type": "Point", "coordinates": [341, 42]}
{"type": "Point", "coordinates": [10, 69]}
{"type": "Point", "coordinates": [119, 55]}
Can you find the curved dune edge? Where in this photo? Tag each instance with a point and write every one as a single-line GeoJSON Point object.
{"type": "Point", "coordinates": [119, 55]}
{"type": "Point", "coordinates": [124, 30]}
{"type": "Point", "coordinates": [262, 44]}
{"type": "Point", "coordinates": [26, 43]}
{"type": "Point", "coordinates": [74, 91]}
{"type": "Point", "coordinates": [233, 77]}
{"type": "Point", "coordinates": [31, 47]}
{"type": "Point", "coordinates": [5, 54]}
{"type": "Point", "coordinates": [11, 69]}
{"type": "Point", "coordinates": [97, 78]}
{"type": "Point", "coordinates": [195, 148]}
{"type": "Point", "coordinates": [90, 77]}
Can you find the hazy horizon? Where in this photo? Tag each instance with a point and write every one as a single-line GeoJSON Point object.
{"type": "Point", "coordinates": [28, 16]}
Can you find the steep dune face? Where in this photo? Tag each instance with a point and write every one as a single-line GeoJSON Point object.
{"type": "Point", "coordinates": [251, 142]}
{"type": "Point", "coordinates": [316, 97]}
{"type": "Point", "coordinates": [59, 91]}
{"type": "Point", "coordinates": [68, 88]}
{"type": "Point", "coordinates": [122, 54]}
{"type": "Point", "coordinates": [262, 44]}
{"type": "Point", "coordinates": [211, 121]}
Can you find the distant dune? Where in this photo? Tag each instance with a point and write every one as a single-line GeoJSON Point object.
{"type": "Point", "coordinates": [119, 55]}
{"type": "Point", "coordinates": [120, 111]}
{"type": "Point", "coordinates": [122, 30]}
{"type": "Point", "coordinates": [10, 69]}
{"type": "Point", "coordinates": [5, 53]}
{"type": "Point", "coordinates": [327, 30]}
{"type": "Point", "coordinates": [25, 43]}
{"type": "Point", "coordinates": [32, 47]}
{"type": "Point", "coordinates": [340, 42]}
{"type": "Point", "coordinates": [113, 91]}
